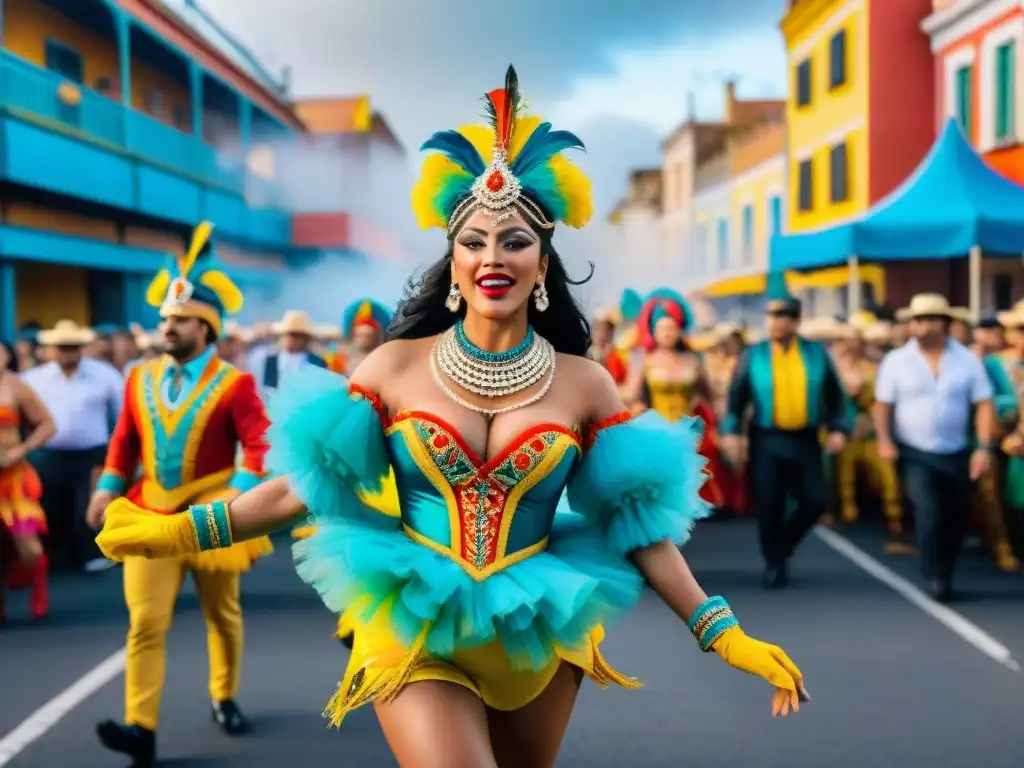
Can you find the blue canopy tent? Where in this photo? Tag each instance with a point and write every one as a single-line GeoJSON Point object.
{"type": "Point", "coordinates": [953, 205]}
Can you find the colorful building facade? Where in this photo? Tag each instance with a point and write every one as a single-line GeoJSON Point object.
{"type": "Point", "coordinates": [122, 127]}
{"type": "Point", "coordinates": [860, 110]}
{"type": "Point", "coordinates": [979, 80]}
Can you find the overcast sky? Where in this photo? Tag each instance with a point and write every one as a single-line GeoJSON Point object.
{"type": "Point", "coordinates": [617, 73]}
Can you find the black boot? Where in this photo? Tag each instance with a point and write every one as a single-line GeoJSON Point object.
{"type": "Point", "coordinates": [940, 590]}
{"type": "Point", "coordinates": [229, 717]}
{"type": "Point", "coordinates": [776, 576]}
{"type": "Point", "coordinates": [133, 740]}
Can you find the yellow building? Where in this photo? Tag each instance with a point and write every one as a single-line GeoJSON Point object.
{"type": "Point", "coordinates": [827, 47]}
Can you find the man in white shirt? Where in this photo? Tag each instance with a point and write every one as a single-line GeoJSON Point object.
{"type": "Point", "coordinates": [296, 334]}
{"type": "Point", "coordinates": [926, 393]}
{"type": "Point", "coordinates": [85, 397]}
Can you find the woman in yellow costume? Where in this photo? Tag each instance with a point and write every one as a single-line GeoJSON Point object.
{"type": "Point", "coordinates": [479, 611]}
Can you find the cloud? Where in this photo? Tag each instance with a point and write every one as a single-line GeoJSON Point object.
{"type": "Point", "coordinates": [425, 62]}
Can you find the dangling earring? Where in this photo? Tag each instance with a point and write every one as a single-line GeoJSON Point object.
{"type": "Point", "coordinates": [540, 298]}
{"type": "Point", "coordinates": [454, 300]}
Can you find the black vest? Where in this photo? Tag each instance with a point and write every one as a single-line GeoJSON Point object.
{"type": "Point", "coordinates": [270, 371]}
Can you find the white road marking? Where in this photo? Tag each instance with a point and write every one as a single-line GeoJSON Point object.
{"type": "Point", "coordinates": [953, 621]}
{"type": "Point", "coordinates": [51, 713]}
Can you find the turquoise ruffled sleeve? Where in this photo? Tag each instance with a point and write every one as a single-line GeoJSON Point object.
{"type": "Point", "coordinates": [328, 441]}
{"type": "Point", "coordinates": [640, 482]}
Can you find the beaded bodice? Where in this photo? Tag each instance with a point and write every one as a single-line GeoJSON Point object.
{"type": "Point", "coordinates": [672, 398]}
{"type": "Point", "coordinates": [485, 515]}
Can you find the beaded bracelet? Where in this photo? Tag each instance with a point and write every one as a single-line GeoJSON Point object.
{"type": "Point", "coordinates": [711, 619]}
{"type": "Point", "coordinates": [212, 525]}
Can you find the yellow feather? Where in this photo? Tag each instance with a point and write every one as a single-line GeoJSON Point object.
{"type": "Point", "coordinates": [481, 137]}
{"type": "Point", "coordinates": [437, 168]}
{"type": "Point", "coordinates": [157, 290]}
{"type": "Point", "coordinates": [575, 188]}
{"type": "Point", "coordinates": [200, 237]}
{"type": "Point", "coordinates": [228, 293]}
{"type": "Point", "coordinates": [524, 128]}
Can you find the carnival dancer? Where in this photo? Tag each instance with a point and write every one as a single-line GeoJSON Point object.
{"type": "Point", "coordinates": [720, 364]}
{"type": "Point", "coordinates": [295, 335]}
{"type": "Point", "coordinates": [602, 347]}
{"type": "Point", "coordinates": [672, 380]}
{"type": "Point", "coordinates": [463, 624]}
{"type": "Point", "coordinates": [795, 391]}
{"type": "Point", "coordinates": [183, 420]}
{"type": "Point", "coordinates": [362, 324]}
{"type": "Point", "coordinates": [22, 521]}
{"type": "Point", "coordinates": [859, 458]}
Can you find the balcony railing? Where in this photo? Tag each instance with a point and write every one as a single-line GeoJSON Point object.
{"type": "Point", "coordinates": [43, 97]}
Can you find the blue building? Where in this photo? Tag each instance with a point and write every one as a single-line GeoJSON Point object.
{"type": "Point", "coordinates": [122, 127]}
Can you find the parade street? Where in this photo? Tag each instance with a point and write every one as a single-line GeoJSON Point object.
{"type": "Point", "coordinates": [895, 680]}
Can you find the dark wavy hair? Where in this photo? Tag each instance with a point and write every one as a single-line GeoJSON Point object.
{"type": "Point", "coordinates": [12, 356]}
{"type": "Point", "coordinates": [421, 312]}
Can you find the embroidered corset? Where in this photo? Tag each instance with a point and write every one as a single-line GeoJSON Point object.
{"type": "Point", "coordinates": [483, 515]}
{"type": "Point", "coordinates": [671, 398]}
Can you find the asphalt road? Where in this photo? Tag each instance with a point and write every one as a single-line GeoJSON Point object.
{"type": "Point", "coordinates": [891, 686]}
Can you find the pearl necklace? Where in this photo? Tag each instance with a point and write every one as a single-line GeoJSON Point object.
{"type": "Point", "coordinates": [492, 374]}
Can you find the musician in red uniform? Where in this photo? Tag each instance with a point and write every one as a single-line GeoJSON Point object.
{"type": "Point", "coordinates": [184, 416]}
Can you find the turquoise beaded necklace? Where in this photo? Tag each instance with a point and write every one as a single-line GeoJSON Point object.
{"type": "Point", "coordinates": [484, 356]}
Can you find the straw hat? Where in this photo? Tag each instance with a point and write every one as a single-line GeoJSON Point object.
{"type": "Point", "coordinates": [862, 319]}
{"type": "Point", "coordinates": [823, 329]}
{"type": "Point", "coordinates": [879, 332]}
{"type": "Point", "coordinates": [66, 333]}
{"type": "Point", "coordinates": [1014, 318]}
{"type": "Point", "coordinates": [702, 341]}
{"type": "Point", "coordinates": [725, 330]}
{"type": "Point", "coordinates": [295, 321]}
{"type": "Point", "coordinates": [327, 332]}
{"type": "Point", "coordinates": [928, 305]}
{"type": "Point", "coordinates": [610, 315]}
{"type": "Point", "coordinates": [232, 330]}
{"type": "Point", "coordinates": [754, 335]}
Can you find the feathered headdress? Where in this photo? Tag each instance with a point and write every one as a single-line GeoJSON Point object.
{"type": "Point", "coordinates": [663, 302]}
{"type": "Point", "coordinates": [513, 166]}
{"type": "Point", "coordinates": [190, 286]}
{"type": "Point", "coordinates": [364, 312]}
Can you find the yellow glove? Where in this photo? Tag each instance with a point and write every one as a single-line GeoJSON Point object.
{"type": "Point", "coordinates": [130, 530]}
{"type": "Point", "coordinates": [766, 661]}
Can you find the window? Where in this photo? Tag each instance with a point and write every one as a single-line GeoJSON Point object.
{"type": "Point", "coordinates": [806, 181]}
{"type": "Point", "coordinates": [748, 234]}
{"type": "Point", "coordinates": [840, 185]}
{"type": "Point", "coordinates": [153, 102]}
{"type": "Point", "coordinates": [963, 98]}
{"type": "Point", "coordinates": [837, 60]}
{"type": "Point", "coordinates": [1006, 62]}
{"type": "Point", "coordinates": [181, 118]}
{"type": "Point", "coordinates": [723, 243]}
{"type": "Point", "coordinates": [64, 60]}
{"type": "Point", "coordinates": [803, 83]}
{"type": "Point", "coordinates": [775, 215]}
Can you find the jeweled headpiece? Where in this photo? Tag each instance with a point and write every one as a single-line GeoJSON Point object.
{"type": "Point", "coordinates": [198, 289]}
{"type": "Point", "coordinates": [663, 302]}
{"type": "Point", "coordinates": [511, 167]}
{"type": "Point", "coordinates": [364, 312]}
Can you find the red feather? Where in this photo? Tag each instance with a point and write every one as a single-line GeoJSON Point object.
{"type": "Point", "coordinates": [503, 117]}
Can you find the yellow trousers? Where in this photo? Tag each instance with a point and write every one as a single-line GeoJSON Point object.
{"type": "Point", "coordinates": [151, 590]}
{"type": "Point", "coordinates": [989, 512]}
{"type": "Point", "coordinates": [862, 456]}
